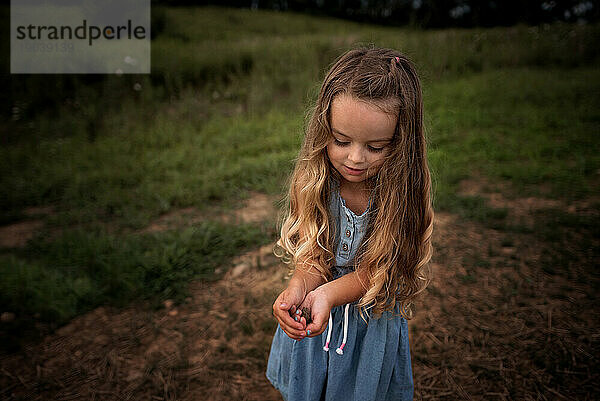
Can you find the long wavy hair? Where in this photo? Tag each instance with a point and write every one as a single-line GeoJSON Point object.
{"type": "Point", "coordinates": [397, 244]}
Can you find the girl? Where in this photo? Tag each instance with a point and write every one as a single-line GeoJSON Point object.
{"type": "Point", "coordinates": [358, 232]}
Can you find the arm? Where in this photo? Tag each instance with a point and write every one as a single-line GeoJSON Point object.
{"type": "Point", "coordinates": [307, 277]}
{"type": "Point", "coordinates": [348, 288]}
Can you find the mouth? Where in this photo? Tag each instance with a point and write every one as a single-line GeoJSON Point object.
{"type": "Point", "coordinates": [354, 171]}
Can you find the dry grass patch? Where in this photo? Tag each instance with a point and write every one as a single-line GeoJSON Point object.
{"type": "Point", "coordinates": [256, 208]}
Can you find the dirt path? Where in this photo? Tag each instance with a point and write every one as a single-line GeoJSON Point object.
{"type": "Point", "coordinates": [495, 323]}
{"type": "Point", "coordinates": [211, 347]}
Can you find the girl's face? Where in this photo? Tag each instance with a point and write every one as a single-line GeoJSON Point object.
{"type": "Point", "coordinates": [362, 134]}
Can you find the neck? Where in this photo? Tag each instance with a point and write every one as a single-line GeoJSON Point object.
{"type": "Point", "coordinates": [356, 187]}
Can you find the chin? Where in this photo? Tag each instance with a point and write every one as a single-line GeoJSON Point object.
{"type": "Point", "coordinates": [354, 178]}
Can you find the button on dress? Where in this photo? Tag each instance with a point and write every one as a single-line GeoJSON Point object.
{"type": "Point", "coordinates": [373, 363]}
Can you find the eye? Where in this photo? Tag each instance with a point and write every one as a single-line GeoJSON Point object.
{"type": "Point", "coordinates": [375, 150]}
{"type": "Point", "coordinates": [340, 143]}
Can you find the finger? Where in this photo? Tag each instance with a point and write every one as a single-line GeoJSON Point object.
{"type": "Point", "coordinates": [295, 314]}
{"type": "Point", "coordinates": [292, 332]}
{"type": "Point", "coordinates": [296, 326]}
{"type": "Point", "coordinates": [293, 337]}
{"type": "Point", "coordinates": [285, 318]}
{"type": "Point", "coordinates": [283, 304]}
{"type": "Point", "coordinates": [282, 314]}
{"type": "Point", "coordinates": [313, 330]}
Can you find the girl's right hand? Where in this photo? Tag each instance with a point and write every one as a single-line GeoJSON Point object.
{"type": "Point", "coordinates": [285, 307]}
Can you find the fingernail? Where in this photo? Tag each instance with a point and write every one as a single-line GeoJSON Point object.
{"type": "Point", "coordinates": [298, 312]}
{"type": "Point", "coordinates": [308, 332]}
{"type": "Point", "coordinates": [296, 318]}
{"type": "Point", "coordinates": [283, 305]}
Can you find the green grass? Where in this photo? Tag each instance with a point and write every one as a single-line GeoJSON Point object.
{"type": "Point", "coordinates": [133, 176]}
{"type": "Point", "coordinates": [58, 279]}
{"type": "Point", "coordinates": [222, 114]}
{"type": "Point", "coordinates": [532, 127]}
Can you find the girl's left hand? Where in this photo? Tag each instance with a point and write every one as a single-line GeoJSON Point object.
{"type": "Point", "coordinates": [319, 306]}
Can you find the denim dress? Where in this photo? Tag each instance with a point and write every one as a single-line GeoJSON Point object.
{"type": "Point", "coordinates": [351, 360]}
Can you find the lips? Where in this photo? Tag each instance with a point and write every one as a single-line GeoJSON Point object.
{"type": "Point", "coordinates": [353, 171]}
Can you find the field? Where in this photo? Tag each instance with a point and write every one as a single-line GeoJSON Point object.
{"type": "Point", "coordinates": [138, 212]}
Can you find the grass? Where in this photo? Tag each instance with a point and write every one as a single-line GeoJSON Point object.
{"type": "Point", "coordinates": [222, 114]}
{"type": "Point", "coordinates": [52, 281]}
{"type": "Point", "coordinates": [133, 176]}
{"type": "Point", "coordinates": [528, 126]}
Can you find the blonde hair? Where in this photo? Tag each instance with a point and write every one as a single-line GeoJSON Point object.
{"type": "Point", "coordinates": [397, 243]}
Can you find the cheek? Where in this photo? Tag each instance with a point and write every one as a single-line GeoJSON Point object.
{"type": "Point", "coordinates": [377, 161]}
{"type": "Point", "coordinates": [333, 153]}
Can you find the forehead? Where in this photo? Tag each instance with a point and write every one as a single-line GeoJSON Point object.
{"type": "Point", "coordinates": [361, 121]}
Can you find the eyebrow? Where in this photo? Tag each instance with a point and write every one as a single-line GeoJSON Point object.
{"type": "Point", "coordinates": [374, 140]}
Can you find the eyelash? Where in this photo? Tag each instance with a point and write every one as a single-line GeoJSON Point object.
{"type": "Point", "coordinates": [371, 148]}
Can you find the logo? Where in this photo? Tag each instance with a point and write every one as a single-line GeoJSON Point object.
{"type": "Point", "coordinates": [83, 32]}
{"type": "Point", "coordinates": [61, 37]}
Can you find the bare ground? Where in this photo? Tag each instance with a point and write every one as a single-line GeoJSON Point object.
{"type": "Point", "coordinates": [507, 316]}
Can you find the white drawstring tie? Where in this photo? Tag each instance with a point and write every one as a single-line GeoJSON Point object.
{"type": "Point", "coordinates": [326, 347]}
{"type": "Point", "coordinates": [340, 349]}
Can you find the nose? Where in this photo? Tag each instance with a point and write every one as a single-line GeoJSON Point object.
{"type": "Point", "coordinates": [356, 154]}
